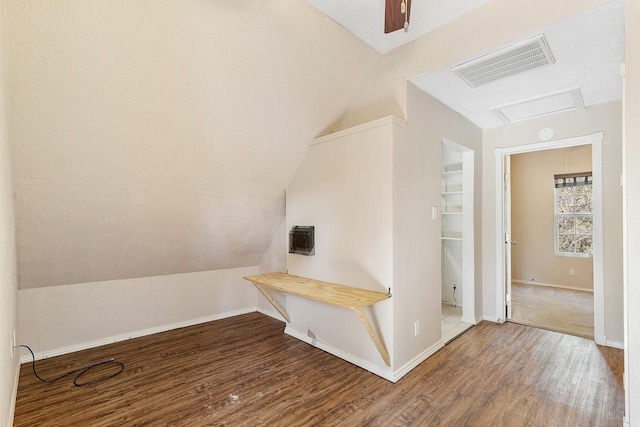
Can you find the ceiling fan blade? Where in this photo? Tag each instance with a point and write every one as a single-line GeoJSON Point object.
{"type": "Point", "coordinates": [394, 19]}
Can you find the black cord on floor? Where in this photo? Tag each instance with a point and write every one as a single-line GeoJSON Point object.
{"type": "Point", "coordinates": [82, 370]}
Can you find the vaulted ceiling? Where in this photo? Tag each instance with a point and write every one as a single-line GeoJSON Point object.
{"type": "Point", "coordinates": [587, 48]}
{"type": "Point", "coordinates": [154, 138]}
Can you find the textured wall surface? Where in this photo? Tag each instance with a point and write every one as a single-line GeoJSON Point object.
{"type": "Point", "coordinates": [8, 285]}
{"type": "Point", "coordinates": [632, 213]}
{"type": "Point", "coordinates": [59, 319]}
{"type": "Point", "coordinates": [417, 261]}
{"type": "Point", "coordinates": [156, 138]}
{"type": "Point", "coordinates": [344, 188]}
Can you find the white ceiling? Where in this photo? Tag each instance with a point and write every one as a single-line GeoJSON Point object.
{"type": "Point", "coordinates": [365, 18]}
{"type": "Point", "coordinates": [588, 49]}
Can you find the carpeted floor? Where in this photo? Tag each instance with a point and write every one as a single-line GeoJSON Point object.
{"type": "Point", "coordinates": [555, 309]}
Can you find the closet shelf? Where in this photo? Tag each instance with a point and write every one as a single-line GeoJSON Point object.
{"type": "Point", "coordinates": [452, 170]}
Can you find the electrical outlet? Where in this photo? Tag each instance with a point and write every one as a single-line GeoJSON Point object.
{"type": "Point", "coordinates": [455, 285]}
{"type": "Point", "coordinates": [416, 328]}
{"type": "Point", "coordinates": [572, 272]}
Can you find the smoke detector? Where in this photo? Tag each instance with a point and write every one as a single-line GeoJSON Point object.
{"type": "Point", "coordinates": [515, 59]}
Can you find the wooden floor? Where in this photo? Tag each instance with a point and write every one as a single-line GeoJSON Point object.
{"type": "Point", "coordinates": [556, 309]}
{"type": "Point", "coordinates": [244, 371]}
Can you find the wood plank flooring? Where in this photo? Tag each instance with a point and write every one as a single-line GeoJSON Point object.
{"type": "Point", "coordinates": [556, 309]}
{"type": "Point", "coordinates": [244, 371]}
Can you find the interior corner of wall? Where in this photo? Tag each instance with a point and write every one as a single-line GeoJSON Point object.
{"type": "Point", "coordinates": [375, 110]}
{"type": "Point", "coordinates": [333, 126]}
{"type": "Point", "coordinates": [274, 257]}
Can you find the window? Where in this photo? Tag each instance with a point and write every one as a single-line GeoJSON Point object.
{"type": "Point", "coordinates": [574, 214]}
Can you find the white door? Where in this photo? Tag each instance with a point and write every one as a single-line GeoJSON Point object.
{"type": "Point", "coordinates": [507, 235]}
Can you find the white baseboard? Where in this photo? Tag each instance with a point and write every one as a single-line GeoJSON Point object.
{"type": "Point", "coordinates": [416, 361]}
{"type": "Point", "coordinates": [615, 344]}
{"type": "Point", "coordinates": [471, 320]}
{"type": "Point", "coordinates": [364, 364]}
{"type": "Point", "coordinates": [602, 340]}
{"type": "Point", "coordinates": [551, 285]}
{"type": "Point", "coordinates": [385, 373]}
{"type": "Point", "coordinates": [452, 302]}
{"type": "Point", "coordinates": [134, 334]}
{"type": "Point", "coordinates": [493, 319]}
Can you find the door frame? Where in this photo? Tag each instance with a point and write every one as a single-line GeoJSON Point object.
{"type": "Point", "coordinates": [506, 229]}
{"type": "Point", "coordinates": [595, 140]}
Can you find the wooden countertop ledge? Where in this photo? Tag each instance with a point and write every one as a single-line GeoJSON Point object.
{"type": "Point", "coordinates": [326, 292]}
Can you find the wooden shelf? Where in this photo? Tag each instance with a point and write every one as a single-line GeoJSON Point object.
{"type": "Point", "coordinates": [326, 292]}
{"type": "Point", "coordinates": [451, 234]}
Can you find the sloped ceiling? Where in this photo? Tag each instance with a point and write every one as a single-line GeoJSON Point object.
{"type": "Point", "coordinates": [154, 138]}
{"type": "Point", "coordinates": [365, 18]}
{"type": "Point", "coordinates": [588, 49]}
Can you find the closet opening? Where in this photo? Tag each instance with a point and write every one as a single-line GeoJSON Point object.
{"type": "Point", "coordinates": [457, 236]}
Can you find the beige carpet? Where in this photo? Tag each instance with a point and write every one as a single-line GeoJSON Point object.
{"type": "Point", "coordinates": [555, 309]}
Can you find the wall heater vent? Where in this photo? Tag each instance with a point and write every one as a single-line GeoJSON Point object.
{"type": "Point", "coordinates": [530, 54]}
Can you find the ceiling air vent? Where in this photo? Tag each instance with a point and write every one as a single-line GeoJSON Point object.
{"type": "Point", "coordinates": [530, 54]}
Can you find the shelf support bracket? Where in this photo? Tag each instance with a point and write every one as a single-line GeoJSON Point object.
{"type": "Point", "coordinates": [376, 340]}
{"type": "Point", "coordinates": [273, 301]}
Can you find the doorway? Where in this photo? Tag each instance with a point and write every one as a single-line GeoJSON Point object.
{"type": "Point", "coordinates": [457, 237]}
{"type": "Point", "coordinates": [504, 242]}
{"type": "Point", "coordinates": [551, 239]}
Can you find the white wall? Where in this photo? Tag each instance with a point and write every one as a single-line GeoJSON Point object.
{"type": "Point", "coordinates": [606, 118]}
{"type": "Point", "coordinates": [431, 122]}
{"type": "Point", "coordinates": [157, 138]}
{"type": "Point", "coordinates": [9, 367]}
{"type": "Point", "coordinates": [343, 188]}
{"type": "Point", "coordinates": [632, 211]}
{"type": "Point", "coordinates": [416, 256]}
{"type": "Point", "coordinates": [60, 319]}
{"type": "Point", "coordinates": [533, 219]}
{"type": "Point", "coordinates": [368, 191]}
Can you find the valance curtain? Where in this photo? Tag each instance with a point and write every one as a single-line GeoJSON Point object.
{"type": "Point", "coordinates": [573, 179]}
